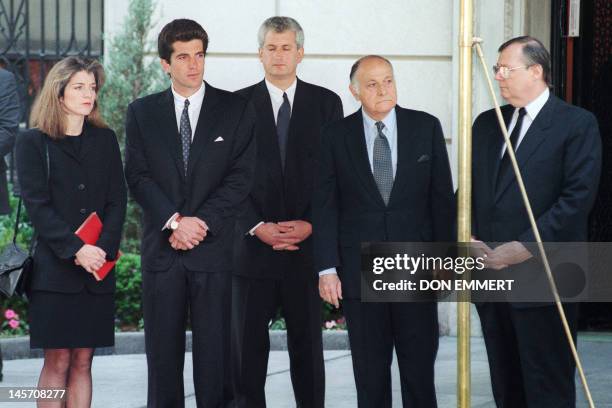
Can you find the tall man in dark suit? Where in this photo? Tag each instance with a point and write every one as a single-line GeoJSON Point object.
{"type": "Point", "coordinates": [383, 175]}
{"type": "Point", "coordinates": [273, 260]}
{"type": "Point", "coordinates": [190, 154]}
{"type": "Point", "coordinates": [558, 150]}
{"type": "Point", "coordinates": [9, 123]}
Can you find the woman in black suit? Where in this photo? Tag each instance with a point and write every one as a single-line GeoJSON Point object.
{"type": "Point", "coordinates": [69, 165]}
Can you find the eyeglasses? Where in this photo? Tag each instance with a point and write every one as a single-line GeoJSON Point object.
{"type": "Point", "coordinates": [505, 71]}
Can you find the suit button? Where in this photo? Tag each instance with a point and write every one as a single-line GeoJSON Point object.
{"type": "Point", "coordinates": [82, 210]}
{"type": "Point", "coordinates": [81, 187]}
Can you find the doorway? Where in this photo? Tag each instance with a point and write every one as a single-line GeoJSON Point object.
{"type": "Point", "coordinates": [582, 75]}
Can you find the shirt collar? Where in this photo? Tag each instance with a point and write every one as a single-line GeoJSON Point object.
{"type": "Point", "coordinates": [277, 93]}
{"type": "Point", "coordinates": [534, 107]}
{"type": "Point", "coordinates": [195, 100]}
{"type": "Point", "coordinates": [390, 121]}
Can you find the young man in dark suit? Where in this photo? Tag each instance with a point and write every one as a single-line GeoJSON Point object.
{"type": "Point", "coordinates": [273, 259]}
{"type": "Point", "coordinates": [190, 154]}
{"type": "Point", "coordinates": [558, 149]}
{"type": "Point", "coordinates": [383, 175]}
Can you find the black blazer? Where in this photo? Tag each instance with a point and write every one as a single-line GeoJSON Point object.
{"type": "Point", "coordinates": [78, 186]}
{"type": "Point", "coordinates": [278, 196]}
{"type": "Point", "coordinates": [219, 176]}
{"type": "Point", "coordinates": [560, 161]}
{"type": "Point", "coordinates": [348, 208]}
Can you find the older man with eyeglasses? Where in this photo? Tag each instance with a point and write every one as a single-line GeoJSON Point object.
{"type": "Point", "coordinates": [558, 149]}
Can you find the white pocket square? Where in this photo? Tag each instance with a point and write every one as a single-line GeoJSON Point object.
{"type": "Point", "coordinates": [219, 139]}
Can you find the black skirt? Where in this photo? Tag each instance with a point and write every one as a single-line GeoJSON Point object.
{"type": "Point", "coordinates": [71, 320]}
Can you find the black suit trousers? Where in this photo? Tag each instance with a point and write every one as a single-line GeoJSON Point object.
{"type": "Point", "coordinates": [530, 360]}
{"type": "Point", "coordinates": [255, 302]}
{"type": "Point", "coordinates": [374, 330]}
{"type": "Point", "coordinates": [169, 297]}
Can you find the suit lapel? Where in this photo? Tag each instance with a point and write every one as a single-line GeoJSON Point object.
{"type": "Point", "coordinates": [532, 140]}
{"type": "Point", "coordinates": [66, 148]}
{"type": "Point", "coordinates": [496, 141]}
{"type": "Point", "coordinates": [205, 128]}
{"type": "Point", "coordinates": [299, 110]}
{"type": "Point", "coordinates": [356, 146]}
{"type": "Point", "coordinates": [87, 145]}
{"type": "Point", "coordinates": [166, 121]}
{"type": "Point", "coordinates": [406, 156]}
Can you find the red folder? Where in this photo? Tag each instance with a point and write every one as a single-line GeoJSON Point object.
{"type": "Point", "coordinates": [89, 232]}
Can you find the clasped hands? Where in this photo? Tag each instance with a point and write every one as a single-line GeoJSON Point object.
{"type": "Point", "coordinates": [190, 232]}
{"type": "Point", "coordinates": [510, 253]}
{"type": "Point", "coordinates": [90, 257]}
{"type": "Point", "coordinates": [284, 235]}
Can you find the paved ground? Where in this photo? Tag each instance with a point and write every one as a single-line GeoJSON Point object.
{"type": "Point", "coordinates": [120, 380]}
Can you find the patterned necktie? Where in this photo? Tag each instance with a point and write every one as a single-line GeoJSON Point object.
{"type": "Point", "coordinates": [282, 127]}
{"type": "Point", "coordinates": [383, 169]}
{"type": "Point", "coordinates": [506, 164]}
{"type": "Point", "coordinates": [185, 132]}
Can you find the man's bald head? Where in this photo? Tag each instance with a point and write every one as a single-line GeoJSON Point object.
{"type": "Point", "coordinates": [373, 84]}
{"type": "Point", "coordinates": [355, 67]}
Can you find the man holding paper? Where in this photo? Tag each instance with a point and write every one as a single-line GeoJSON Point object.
{"type": "Point", "coordinates": [558, 150]}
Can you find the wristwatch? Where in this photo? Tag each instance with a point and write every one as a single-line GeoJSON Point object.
{"type": "Point", "coordinates": [174, 224]}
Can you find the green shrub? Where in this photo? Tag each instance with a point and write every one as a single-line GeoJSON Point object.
{"type": "Point", "coordinates": [128, 304]}
{"type": "Point", "coordinates": [132, 71]}
{"type": "Point", "coordinates": [19, 306]}
{"type": "Point", "coordinates": [7, 225]}
{"type": "Point", "coordinates": [332, 318]}
{"type": "Point", "coordinates": [277, 324]}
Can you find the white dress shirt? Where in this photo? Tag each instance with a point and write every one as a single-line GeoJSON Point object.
{"type": "Point", "coordinates": [276, 96]}
{"type": "Point", "coordinates": [532, 109]}
{"type": "Point", "coordinates": [195, 106]}
{"type": "Point", "coordinates": [371, 133]}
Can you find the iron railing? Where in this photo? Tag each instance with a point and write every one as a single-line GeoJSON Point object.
{"type": "Point", "coordinates": [34, 34]}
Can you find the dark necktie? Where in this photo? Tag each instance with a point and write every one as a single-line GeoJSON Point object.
{"type": "Point", "coordinates": [506, 164]}
{"type": "Point", "coordinates": [185, 131]}
{"type": "Point", "coordinates": [383, 169]}
{"type": "Point", "coordinates": [282, 127]}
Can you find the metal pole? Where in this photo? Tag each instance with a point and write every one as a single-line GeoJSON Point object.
{"type": "Point", "coordinates": [464, 204]}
